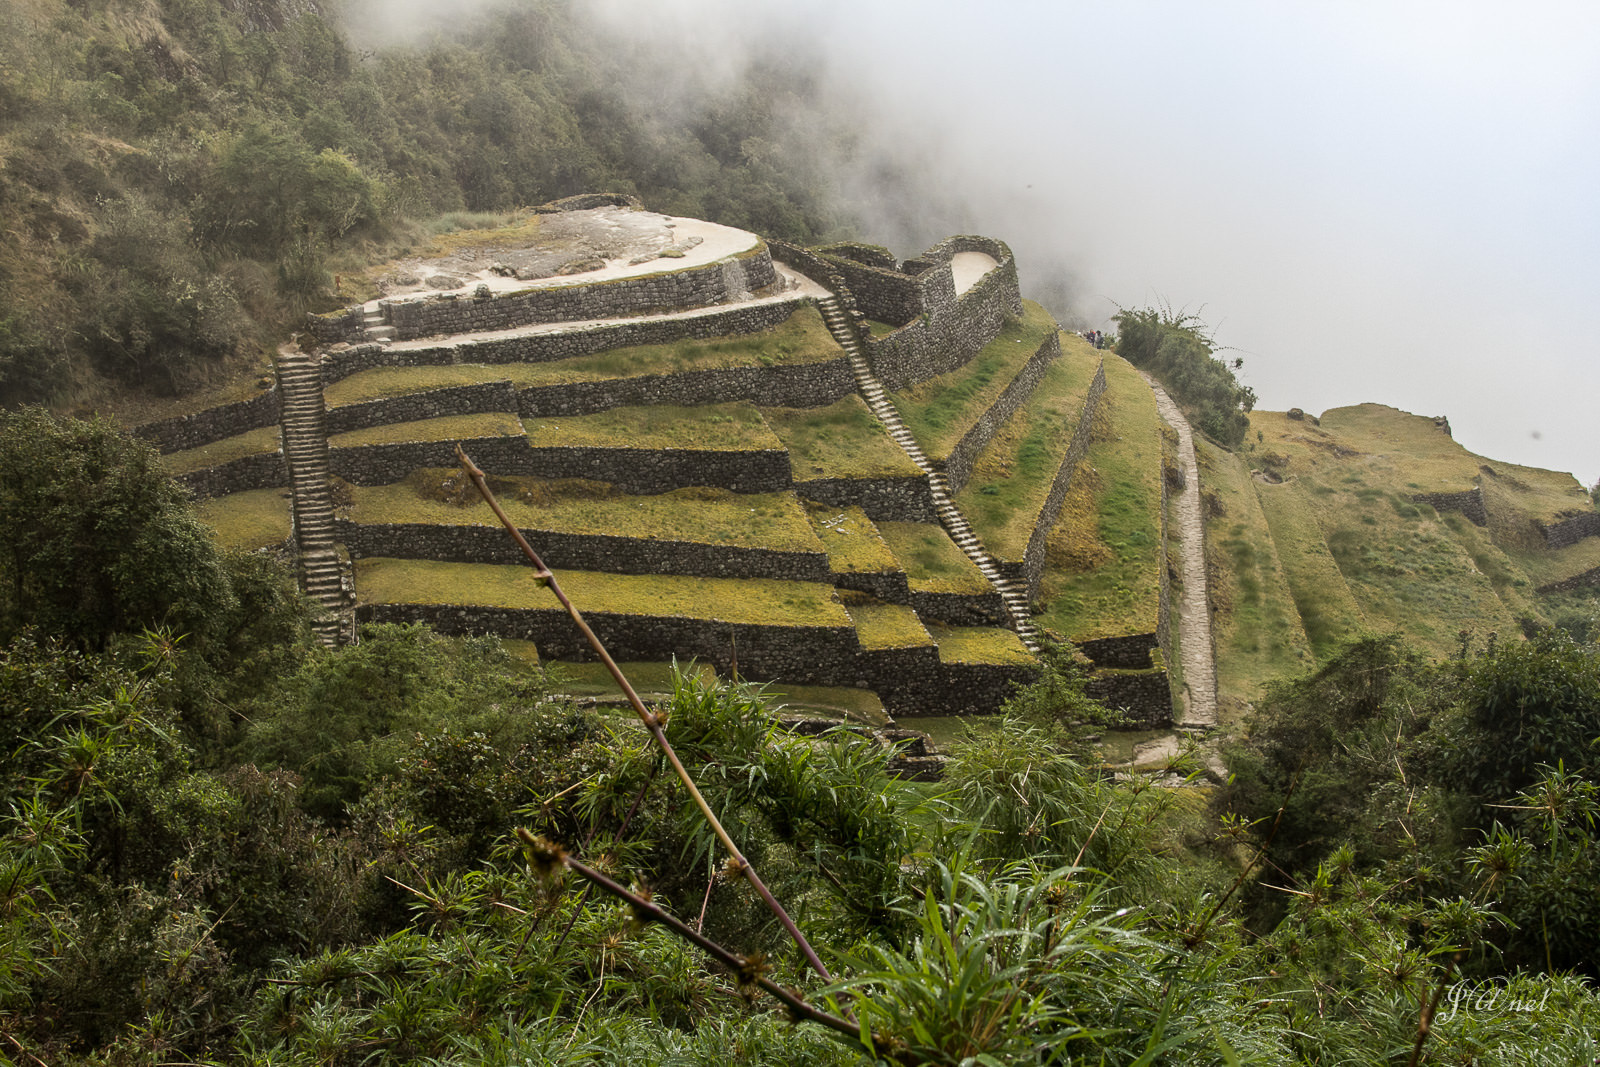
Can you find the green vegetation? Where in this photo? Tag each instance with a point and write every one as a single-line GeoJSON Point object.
{"type": "Point", "coordinates": [1175, 348]}
{"type": "Point", "coordinates": [1015, 471]}
{"type": "Point", "coordinates": [842, 440]}
{"type": "Point", "coordinates": [1104, 556]}
{"type": "Point", "coordinates": [185, 179]}
{"type": "Point", "coordinates": [256, 518]}
{"type": "Point", "coordinates": [941, 410]}
{"type": "Point", "coordinates": [718, 427]}
{"type": "Point", "coordinates": [887, 626]}
{"type": "Point", "coordinates": [264, 441]}
{"type": "Point", "coordinates": [696, 513]}
{"type": "Point", "coordinates": [446, 428]}
{"type": "Point", "coordinates": [981, 644]}
{"type": "Point", "coordinates": [1322, 598]}
{"type": "Point", "coordinates": [802, 338]}
{"type": "Point", "coordinates": [853, 543]}
{"type": "Point", "coordinates": [755, 601]}
{"type": "Point", "coordinates": [933, 563]}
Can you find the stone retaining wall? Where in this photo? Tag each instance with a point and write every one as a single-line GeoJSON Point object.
{"type": "Point", "coordinates": [959, 689]}
{"type": "Point", "coordinates": [803, 655]}
{"type": "Point", "coordinates": [1588, 578]}
{"type": "Point", "coordinates": [589, 552]}
{"type": "Point", "coordinates": [1145, 696]}
{"type": "Point", "coordinates": [1122, 653]}
{"type": "Point", "coordinates": [961, 609]}
{"type": "Point", "coordinates": [1571, 530]}
{"type": "Point", "coordinates": [958, 467]}
{"type": "Point", "coordinates": [906, 499]}
{"type": "Point", "coordinates": [1468, 503]}
{"type": "Point", "coordinates": [1033, 557]}
{"type": "Point", "coordinates": [806, 385]}
{"type": "Point", "coordinates": [953, 329]}
{"type": "Point", "coordinates": [477, 399]}
{"type": "Point", "coordinates": [570, 343]}
{"type": "Point", "coordinates": [699, 286]}
{"type": "Point", "coordinates": [658, 470]}
{"type": "Point", "coordinates": [213, 424]}
{"type": "Point", "coordinates": [882, 291]}
{"type": "Point", "coordinates": [265, 470]}
{"type": "Point", "coordinates": [386, 463]}
{"type": "Point", "coordinates": [890, 587]}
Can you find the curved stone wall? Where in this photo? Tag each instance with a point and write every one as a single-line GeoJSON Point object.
{"type": "Point", "coordinates": [588, 552]}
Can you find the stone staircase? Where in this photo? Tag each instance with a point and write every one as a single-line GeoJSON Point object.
{"type": "Point", "coordinates": [376, 326]}
{"type": "Point", "coordinates": [305, 447]}
{"type": "Point", "coordinates": [950, 517]}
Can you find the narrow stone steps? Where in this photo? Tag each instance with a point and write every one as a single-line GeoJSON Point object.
{"type": "Point", "coordinates": [305, 448]}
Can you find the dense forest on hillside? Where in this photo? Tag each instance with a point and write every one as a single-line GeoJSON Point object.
{"type": "Point", "coordinates": [224, 844]}
{"type": "Point", "coordinates": [183, 177]}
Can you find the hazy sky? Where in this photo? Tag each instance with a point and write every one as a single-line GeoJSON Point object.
{"type": "Point", "coordinates": [1385, 201]}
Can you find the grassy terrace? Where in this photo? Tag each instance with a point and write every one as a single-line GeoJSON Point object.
{"type": "Point", "coordinates": [933, 563]}
{"type": "Point", "coordinates": [1256, 627]}
{"type": "Point", "coordinates": [650, 680]}
{"type": "Point", "coordinates": [248, 520]}
{"type": "Point", "coordinates": [714, 516]}
{"type": "Point", "coordinates": [853, 543]}
{"type": "Point", "coordinates": [751, 601]}
{"type": "Point", "coordinates": [802, 338]}
{"type": "Point", "coordinates": [881, 626]}
{"type": "Point", "coordinates": [721, 427]}
{"type": "Point", "coordinates": [255, 442]}
{"type": "Point", "coordinates": [1014, 472]}
{"type": "Point", "coordinates": [1328, 610]}
{"type": "Point", "coordinates": [940, 411]}
{"type": "Point", "coordinates": [448, 428]}
{"type": "Point", "coordinates": [842, 440]}
{"type": "Point", "coordinates": [1104, 557]}
{"type": "Point", "coordinates": [981, 644]}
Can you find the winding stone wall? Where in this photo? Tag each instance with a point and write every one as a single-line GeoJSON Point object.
{"type": "Point", "coordinates": [698, 286]}
{"type": "Point", "coordinates": [905, 499]}
{"type": "Point", "coordinates": [958, 467]}
{"type": "Point", "coordinates": [265, 470]}
{"type": "Point", "coordinates": [649, 471]}
{"type": "Point", "coordinates": [589, 552]}
{"type": "Point", "coordinates": [806, 385]}
{"type": "Point", "coordinates": [213, 424]}
{"type": "Point", "coordinates": [1468, 503]}
{"type": "Point", "coordinates": [1571, 530]}
{"type": "Point", "coordinates": [475, 399]}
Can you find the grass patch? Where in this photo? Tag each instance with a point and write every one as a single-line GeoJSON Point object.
{"type": "Point", "coordinates": [695, 513]}
{"type": "Point", "coordinates": [1103, 559]}
{"type": "Point", "coordinates": [888, 626]}
{"type": "Point", "coordinates": [1328, 611]}
{"type": "Point", "coordinates": [649, 679]}
{"type": "Point", "coordinates": [448, 428]}
{"type": "Point", "coordinates": [941, 410]}
{"type": "Point", "coordinates": [853, 543]}
{"type": "Point", "coordinates": [824, 701]}
{"type": "Point", "coordinates": [843, 440]}
{"type": "Point", "coordinates": [717, 427]}
{"type": "Point", "coordinates": [1015, 471]}
{"type": "Point", "coordinates": [981, 644]}
{"type": "Point", "coordinates": [249, 520]}
{"type": "Point", "coordinates": [933, 563]}
{"type": "Point", "coordinates": [254, 443]}
{"type": "Point", "coordinates": [751, 601]}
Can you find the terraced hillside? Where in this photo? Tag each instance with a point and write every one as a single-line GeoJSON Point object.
{"type": "Point", "coordinates": [713, 470]}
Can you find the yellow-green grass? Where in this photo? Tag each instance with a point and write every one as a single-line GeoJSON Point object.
{"type": "Point", "coordinates": [253, 443]}
{"type": "Point", "coordinates": [719, 427]}
{"type": "Point", "coordinates": [1016, 469]}
{"type": "Point", "coordinates": [714, 516]}
{"type": "Point", "coordinates": [524, 652]}
{"type": "Point", "coordinates": [1329, 612]}
{"type": "Point", "coordinates": [250, 520]}
{"type": "Point", "coordinates": [842, 440]}
{"type": "Point", "coordinates": [1104, 557]}
{"type": "Point", "coordinates": [827, 701]}
{"type": "Point", "coordinates": [933, 563]}
{"type": "Point", "coordinates": [1255, 628]}
{"type": "Point", "coordinates": [649, 679]}
{"type": "Point", "coordinates": [981, 644]}
{"type": "Point", "coordinates": [941, 410]}
{"type": "Point", "coordinates": [880, 626]}
{"type": "Point", "coordinates": [1510, 581]}
{"type": "Point", "coordinates": [446, 428]}
{"type": "Point", "coordinates": [802, 338]}
{"type": "Point", "coordinates": [748, 601]}
{"type": "Point", "coordinates": [853, 543]}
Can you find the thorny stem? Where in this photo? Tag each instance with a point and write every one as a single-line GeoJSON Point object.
{"type": "Point", "coordinates": [651, 721]}
{"type": "Point", "coordinates": [1425, 1023]}
{"type": "Point", "coordinates": [748, 971]}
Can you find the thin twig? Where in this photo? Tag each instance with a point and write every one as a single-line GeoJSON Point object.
{"type": "Point", "coordinates": [652, 722]}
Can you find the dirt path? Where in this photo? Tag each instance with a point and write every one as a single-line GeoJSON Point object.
{"type": "Point", "coordinates": [1194, 612]}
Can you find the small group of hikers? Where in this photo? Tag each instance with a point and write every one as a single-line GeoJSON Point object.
{"type": "Point", "coordinates": [1096, 338]}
